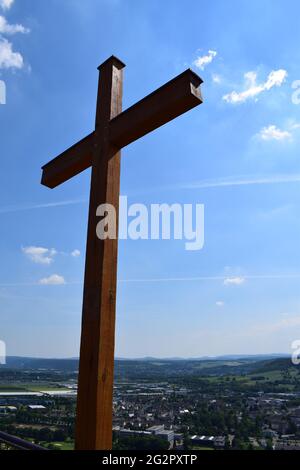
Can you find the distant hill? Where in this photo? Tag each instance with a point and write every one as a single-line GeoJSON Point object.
{"type": "Point", "coordinates": [276, 364]}
{"type": "Point", "coordinates": [15, 362]}
{"type": "Point", "coordinates": [160, 368]}
{"type": "Point", "coordinates": [228, 357]}
{"type": "Point", "coordinates": [213, 367]}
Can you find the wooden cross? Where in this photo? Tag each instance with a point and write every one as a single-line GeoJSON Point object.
{"type": "Point", "coordinates": [101, 150]}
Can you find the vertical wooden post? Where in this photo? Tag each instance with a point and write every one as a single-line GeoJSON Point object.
{"type": "Point", "coordinates": [101, 150]}
{"type": "Point", "coordinates": [95, 382]}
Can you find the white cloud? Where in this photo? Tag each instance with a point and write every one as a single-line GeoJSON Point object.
{"type": "Point", "coordinates": [39, 255]}
{"type": "Point", "coordinates": [6, 4]}
{"type": "Point", "coordinates": [75, 253]}
{"type": "Point", "coordinates": [275, 78]}
{"type": "Point", "coordinates": [6, 28]}
{"type": "Point", "coordinates": [9, 58]}
{"type": "Point", "coordinates": [274, 133]}
{"type": "Point", "coordinates": [234, 281]}
{"type": "Point", "coordinates": [202, 61]}
{"type": "Point", "coordinates": [220, 303]}
{"type": "Point", "coordinates": [54, 280]}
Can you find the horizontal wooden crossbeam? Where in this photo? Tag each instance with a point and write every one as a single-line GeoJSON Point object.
{"type": "Point", "coordinates": [69, 163]}
{"type": "Point", "coordinates": [168, 102]}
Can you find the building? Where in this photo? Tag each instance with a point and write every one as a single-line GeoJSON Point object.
{"type": "Point", "coordinates": [203, 441]}
{"type": "Point", "coordinates": [132, 432]}
{"type": "Point", "coordinates": [156, 428]}
{"type": "Point", "coordinates": [8, 409]}
{"type": "Point", "coordinates": [167, 435]}
{"type": "Point", "coordinates": [219, 442]}
{"type": "Point", "coordinates": [164, 434]}
{"type": "Point", "coordinates": [36, 407]}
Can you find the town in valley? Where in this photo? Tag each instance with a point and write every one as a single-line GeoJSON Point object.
{"type": "Point", "coordinates": [243, 403]}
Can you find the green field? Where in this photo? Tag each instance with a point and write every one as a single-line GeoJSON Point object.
{"type": "Point", "coordinates": [201, 448]}
{"type": "Point", "coordinates": [29, 387]}
{"type": "Point", "coordinates": [61, 445]}
{"type": "Point", "coordinates": [12, 388]}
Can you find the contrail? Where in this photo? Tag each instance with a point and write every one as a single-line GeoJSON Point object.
{"type": "Point", "coordinates": [241, 181]}
{"type": "Point", "coordinates": [212, 278]}
{"type": "Point", "coordinates": [225, 182]}
{"type": "Point", "coordinates": [229, 181]}
{"type": "Point", "coordinates": [28, 207]}
{"type": "Point", "coordinates": [173, 279]}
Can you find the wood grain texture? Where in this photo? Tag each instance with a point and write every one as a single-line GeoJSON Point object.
{"type": "Point", "coordinates": [176, 97]}
{"type": "Point", "coordinates": [68, 164]}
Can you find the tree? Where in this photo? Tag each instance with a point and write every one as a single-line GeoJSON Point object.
{"type": "Point", "coordinates": [140, 443]}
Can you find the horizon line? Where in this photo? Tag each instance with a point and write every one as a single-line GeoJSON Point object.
{"type": "Point", "coordinates": [204, 357]}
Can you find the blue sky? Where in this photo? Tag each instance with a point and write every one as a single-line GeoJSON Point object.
{"type": "Point", "coordinates": [237, 154]}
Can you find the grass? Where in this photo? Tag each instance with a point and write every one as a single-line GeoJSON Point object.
{"type": "Point", "coordinates": [68, 445]}
{"type": "Point", "coordinates": [201, 448]}
{"type": "Point", "coordinates": [12, 388]}
{"type": "Point", "coordinates": [30, 387]}
{"type": "Point", "coordinates": [45, 388]}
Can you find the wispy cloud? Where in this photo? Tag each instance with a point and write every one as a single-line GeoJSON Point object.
{"type": "Point", "coordinates": [6, 28]}
{"type": "Point", "coordinates": [216, 78]}
{"type": "Point", "coordinates": [40, 255]}
{"type": "Point", "coordinates": [228, 181]}
{"type": "Point", "coordinates": [272, 132]}
{"type": "Point", "coordinates": [173, 279]}
{"type": "Point", "coordinates": [238, 280]}
{"type": "Point", "coordinates": [46, 205]}
{"type": "Point", "coordinates": [234, 281]}
{"type": "Point", "coordinates": [283, 324]}
{"type": "Point", "coordinates": [54, 280]}
{"type": "Point", "coordinates": [220, 303]}
{"type": "Point", "coordinates": [202, 61]}
{"type": "Point", "coordinates": [6, 4]}
{"type": "Point", "coordinates": [75, 253]}
{"type": "Point", "coordinates": [221, 182]}
{"type": "Point", "coordinates": [252, 89]}
{"type": "Point", "coordinates": [243, 180]}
